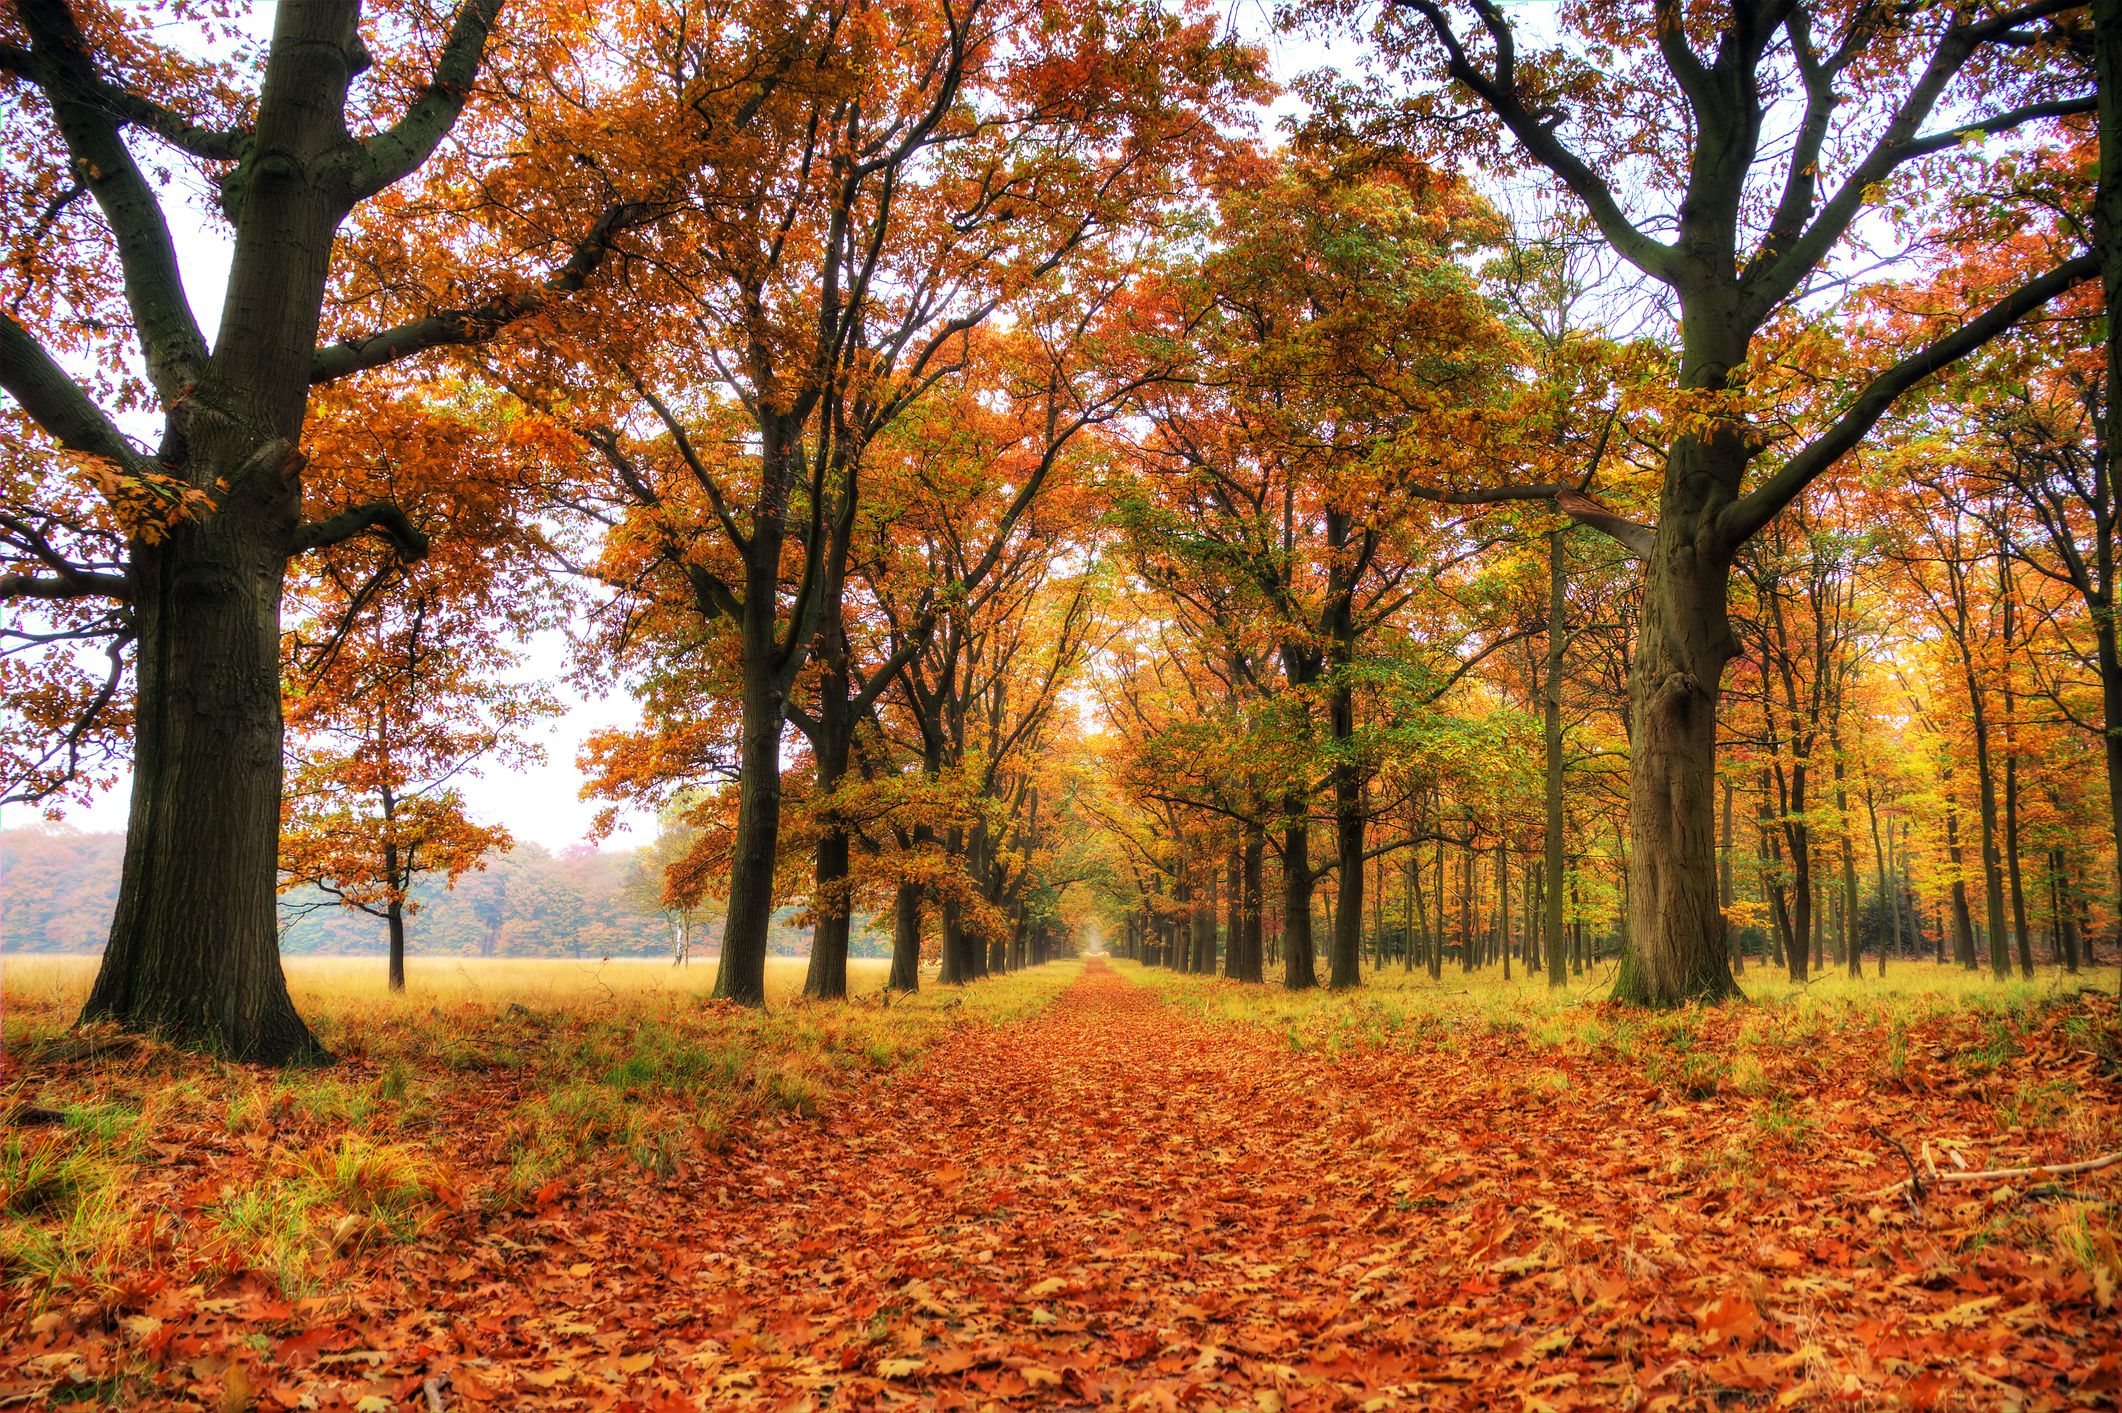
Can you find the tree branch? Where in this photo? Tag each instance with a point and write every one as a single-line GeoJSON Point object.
{"type": "Point", "coordinates": [381, 515]}
{"type": "Point", "coordinates": [80, 584]}
{"type": "Point", "coordinates": [1744, 516]}
{"type": "Point", "coordinates": [170, 341]}
{"type": "Point", "coordinates": [398, 150]}
{"type": "Point", "coordinates": [56, 402]}
{"type": "Point", "coordinates": [1500, 93]}
{"type": "Point", "coordinates": [475, 325]}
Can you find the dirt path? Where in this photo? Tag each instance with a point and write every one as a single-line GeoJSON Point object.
{"type": "Point", "coordinates": [1116, 1204]}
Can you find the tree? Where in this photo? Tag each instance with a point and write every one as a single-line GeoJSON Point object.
{"type": "Point", "coordinates": [860, 188]}
{"type": "Point", "coordinates": [1753, 227]}
{"type": "Point", "coordinates": [398, 686]}
{"type": "Point", "coordinates": [212, 518]}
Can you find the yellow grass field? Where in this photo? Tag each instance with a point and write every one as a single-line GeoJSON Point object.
{"type": "Point", "coordinates": [536, 982]}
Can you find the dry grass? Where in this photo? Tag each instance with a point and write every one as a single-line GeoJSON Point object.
{"type": "Point", "coordinates": [531, 981]}
{"type": "Point", "coordinates": [482, 1086]}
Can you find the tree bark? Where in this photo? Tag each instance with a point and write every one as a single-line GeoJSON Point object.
{"type": "Point", "coordinates": [2107, 241]}
{"type": "Point", "coordinates": [194, 943]}
{"type": "Point", "coordinates": [1551, 736]}
{"type": "Point", "coordinates": [1252, 964]}
{"type": "Point", "coordinates": [1675, 953]}
{"type": "Point", "coordinates": [1298, 972]}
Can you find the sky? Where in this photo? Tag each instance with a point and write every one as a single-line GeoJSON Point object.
{"type": "Point", "coordinates": [542, 803]}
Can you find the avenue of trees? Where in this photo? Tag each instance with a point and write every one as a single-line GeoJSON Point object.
{"type": "Point", "coordinates": [1637, 495]}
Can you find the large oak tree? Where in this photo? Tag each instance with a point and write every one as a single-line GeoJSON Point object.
{"type": "Point", "coordinates": [1739, 154]}
{"type": "Point", "coordinates": [209, 521]}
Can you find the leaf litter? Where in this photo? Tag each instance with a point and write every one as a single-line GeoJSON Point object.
{"type": "Point", "coordinates": [1119, 1203]}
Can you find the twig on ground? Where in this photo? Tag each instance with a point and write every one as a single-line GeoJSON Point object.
{"type": "Point", "coordinates": [2090, 1165]}
{"type": "Point", "coordinates": [1915, 1179]}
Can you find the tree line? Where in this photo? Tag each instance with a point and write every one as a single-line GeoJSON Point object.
{"type": "Point", "coordinates": [1106, 493]}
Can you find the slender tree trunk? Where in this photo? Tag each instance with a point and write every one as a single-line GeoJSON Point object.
{"type": "Point", "coordinates": [1253, 965]}
{"type": "Point", "coordinates": [2006, 595]}
{"type": "Point", "coordinates": [1963, 922]}
{"type": "Point", "coordinates": [2107, 239]}
{"type": "Point", "coordinates": [1233, 913]}
{"type": "Point", "coordinates": [1889, 896]}
{"type": "Point", "coordinates": [1725, 892]}
{"type": "Point", "coordinates": [1551, 738]}
{"type": "Point", "coordinates": [398, 879]}
{"type": "Point", "coordinates": [1849, 866]}
{"type": "Point", "coordinates": [1503, 905]}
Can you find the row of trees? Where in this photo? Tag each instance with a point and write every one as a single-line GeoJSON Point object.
{"type": "Point", "coordinates": [927, 377]}
{"type": "Point", "coordinates": [522, 902]}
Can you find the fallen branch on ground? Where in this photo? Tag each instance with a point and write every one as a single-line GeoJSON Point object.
{"type": "Point", "coordinates": [2090, 1165]}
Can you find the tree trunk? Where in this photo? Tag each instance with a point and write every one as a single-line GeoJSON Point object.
{"type": "Point", "coordinates": [1347, 960]}
{"type": "Point", "coordinates": [194, 948]}
{"type": "Point", "coordinates": [1254, 968]}
{"type": "Point", "coordinates": [741, 974]}
{"type": "Point", "coordinates": [826, 978]}
{"type": "Point", "coordinates": [906, 939]}
{"type": "Point", "coordinates": [1551, 736]}
{"type": "Point", "coordinates": [1298, 973]}
{"type": "Point", "coordinates": [2107, 240]}
{"type": "Point", "coordinates": [1963, 923]}
{"type": "Point", "coordinates": [1675, 950]}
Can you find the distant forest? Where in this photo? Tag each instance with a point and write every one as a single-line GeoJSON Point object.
{"type": "Point", "coordinates": [58, 886]}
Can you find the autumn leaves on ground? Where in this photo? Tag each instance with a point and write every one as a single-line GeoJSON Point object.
{"type": "Point", "coordinates": [1087, 1185]}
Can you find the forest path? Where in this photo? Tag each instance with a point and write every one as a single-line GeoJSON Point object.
{"type": "Point", "coordinates": [1120, 1204]}
{"type": "Point", "coordinates": [1117, 1199]}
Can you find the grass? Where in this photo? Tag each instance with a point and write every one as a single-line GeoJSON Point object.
{"type": "Point", "coordinates": [540, 984]}
{"type": "Point", "coordinates": [486, 1085]}
{"type": "Point", "coordinates": [1392, 1003]}
{"type": "Point", "coordinates": [1771, 1086]}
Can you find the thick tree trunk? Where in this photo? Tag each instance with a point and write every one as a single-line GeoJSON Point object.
{"type": "Point", "coordinates": [741, 974]}
{"type": "Point", "coordinates": [194, 953]}
{"type": "Point", "coordinates": [1298, 973]}
{"type": "Point", "coordinates": [1675, 951]}
{"type": "Point", "coordinates": [954, 971]}
{"type": "Point", "coordinates": [194, 949]}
